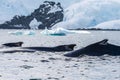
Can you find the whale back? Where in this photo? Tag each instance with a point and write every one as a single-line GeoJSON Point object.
{"type": "Point", "coordinates": [96, 49]}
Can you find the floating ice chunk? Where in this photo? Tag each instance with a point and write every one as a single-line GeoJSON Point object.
{"type": "Point", "coordinates": [61, 31]}
{"type": "Point", "coordinates": [17, 33]}
{"type": "Point", "coordinates": [54, 32]}
{"type": "Point", "coordinates": [29, 33]}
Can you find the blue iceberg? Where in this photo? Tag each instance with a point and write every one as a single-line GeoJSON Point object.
{"type": "Point", "coordinates": [62, 32]}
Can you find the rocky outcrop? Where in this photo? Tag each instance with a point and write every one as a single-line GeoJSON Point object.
{"type": "Point", "coordinates": [48, 14]}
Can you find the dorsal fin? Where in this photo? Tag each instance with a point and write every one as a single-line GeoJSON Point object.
{"type": "Point", "coordinates": [70, 47]}
{"type": "Point", "coordinates": [104, 42]}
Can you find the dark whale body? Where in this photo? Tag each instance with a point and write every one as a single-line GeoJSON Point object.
{"type": "Point", "coordinates": [96, 49]}
{"type": "Point", "coordinates": [15, 44]}
{"type": "Point", "coordinates": [60, 48]}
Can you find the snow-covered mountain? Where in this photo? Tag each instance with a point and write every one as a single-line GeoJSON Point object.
{"type": "Point", "coordinates": [10, 8]}
{"type": "Point", "coordinates": [89, 13]}
{"type": "Point", "coordinates": [46, 15]}
{"type": "Point", "coordinates": [79, 14]}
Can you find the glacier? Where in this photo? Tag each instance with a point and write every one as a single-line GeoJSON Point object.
{"type": "Point", "coordinates": [89, 13]}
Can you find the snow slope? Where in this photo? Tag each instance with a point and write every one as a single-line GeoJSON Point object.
{"type": "Point", "coordinates": [114, 24]}
{"type": "Point", "coordinates": [90, 13]}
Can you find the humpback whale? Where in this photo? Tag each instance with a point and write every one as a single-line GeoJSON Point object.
{"type": "Point", "coordinates": [68, 47]}
{"type": "Point", "coordinates": [59, 48]}
{"type": "Point", "coordinates": [15, 44]}
{"type": "Point", "coordinates": [96, 49]}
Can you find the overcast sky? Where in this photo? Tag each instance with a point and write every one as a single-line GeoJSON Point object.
{"type": "Point", "coordinates": [31, 4]}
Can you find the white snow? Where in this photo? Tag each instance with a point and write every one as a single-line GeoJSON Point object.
{"type": "Point", "coordinates": [89, 13]}
{"type": "Point", "coordinates": [18, 25]}
{"type": "Point", "coordinates": [114, 24]}
{"type": "Point", "coordinates": [54, 9]}
{"type": "Point", "coordinates": [34, 24]}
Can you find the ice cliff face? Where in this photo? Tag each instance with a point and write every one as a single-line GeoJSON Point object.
{"type": "Point", "coordinates": [89, 13]}
{"type": "Point", "coordinates": [48, 14]}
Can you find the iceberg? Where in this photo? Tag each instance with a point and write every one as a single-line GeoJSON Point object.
{"type": "Point", "coordinates": [54, 32]}
{"type": "Point", "coordinates": [62, 32]}
{"type": "Point", "coordinates": [17, 33]}
{"type": "Point", "coordinates": [29, 33]}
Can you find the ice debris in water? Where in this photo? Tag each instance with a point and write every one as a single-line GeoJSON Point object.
{"type": "Point", "coordinates": [17, 33]}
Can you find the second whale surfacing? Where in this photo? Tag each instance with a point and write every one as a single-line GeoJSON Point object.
{"type": "Point", "coordinates": [96, 49]}
{"type": "Point", "coordinates": [59, 48]}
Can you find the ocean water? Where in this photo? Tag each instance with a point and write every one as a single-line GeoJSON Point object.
{"type": "Point", "coordinates": [54, 66]}
{"type": "Point", "coordinates": [39, 39]}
